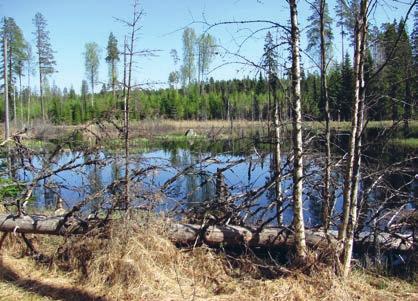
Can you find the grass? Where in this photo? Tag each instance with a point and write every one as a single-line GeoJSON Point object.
{"type": "Point", "coordinates": [411, 143]}
{"type": "Point", "coordinates": [140, 263]}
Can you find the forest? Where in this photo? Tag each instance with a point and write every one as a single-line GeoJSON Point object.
{"type": "Point", "coordinates": [292, 177]}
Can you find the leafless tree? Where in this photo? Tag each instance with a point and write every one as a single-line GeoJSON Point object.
{"type": "Point", "coordinates": [297, 134]}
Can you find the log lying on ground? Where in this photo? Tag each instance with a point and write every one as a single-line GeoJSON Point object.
{"type": "Point", "coordinates": [278, 237]}
{"type": "Point", "coordinates": [40, 224]}
{"type": "Point", "coordinates": [187, 234]}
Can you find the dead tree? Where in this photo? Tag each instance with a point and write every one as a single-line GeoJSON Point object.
{"type": "Point", "coordinates": [129, 53]}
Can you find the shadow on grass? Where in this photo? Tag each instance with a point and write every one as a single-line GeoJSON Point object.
{"type": "Point", "coordinates": [7, 274]}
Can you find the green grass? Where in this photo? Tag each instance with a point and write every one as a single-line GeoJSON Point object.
{"type": "Point", "coordinates": [407, 143]}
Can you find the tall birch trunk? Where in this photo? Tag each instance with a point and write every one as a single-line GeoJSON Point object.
{"type": "Point", "coordinates": [351, 189]}
{"type": "Point", "coordinates": [277, 161]}
{"type": "Point", "coordinates": [297, 136]}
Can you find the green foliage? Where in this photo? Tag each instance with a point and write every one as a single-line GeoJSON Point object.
{"type": "Point", "coordinates": [9, 188]}
{"type": "Point", "coordinates": [188, 68]}
{"type": "Point", "coordinates": [313, 32]}
{"type": "Point", "coordinates": [91, 62]}
{"type": "Point", "coordinates": [45, 53]}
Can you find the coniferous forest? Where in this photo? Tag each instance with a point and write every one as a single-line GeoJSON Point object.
{"type": "Point", "coordinates": [262, 150]}
{"type": "Point", "coordinates": [193, 95]}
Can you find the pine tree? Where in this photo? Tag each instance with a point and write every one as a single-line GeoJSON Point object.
{"type": "Point", "coordinates": [16, 55]}
{"type": "Point", "coordinates": [314, 32]}
{"type": "Point", "coordinates": [46, 61]}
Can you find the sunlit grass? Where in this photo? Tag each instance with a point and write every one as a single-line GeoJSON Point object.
{"type": "Point", "coordinates": [138, 262]}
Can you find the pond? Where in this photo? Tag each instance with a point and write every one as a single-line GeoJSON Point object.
{"type": "Point", "coordinates": [189, 171]}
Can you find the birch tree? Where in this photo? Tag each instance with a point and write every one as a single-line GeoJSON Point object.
{"type": "Point", "coordinates": [188, 68]}
{"type": "Point", "coordinates": [298, 220]}
{"type": "Point", "coordinates": [352, 174]}
{"type": "Point", "coordinates": [91, 63]}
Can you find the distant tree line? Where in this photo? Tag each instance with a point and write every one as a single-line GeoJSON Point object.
{"type": "Point", "coordinates": [192, 94]}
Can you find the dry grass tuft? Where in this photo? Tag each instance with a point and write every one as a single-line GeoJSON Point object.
{"type": "Point", "coordinates": [139, 263]}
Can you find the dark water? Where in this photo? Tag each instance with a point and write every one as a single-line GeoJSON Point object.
{"type": "Point", "coordinates": [247, 165]}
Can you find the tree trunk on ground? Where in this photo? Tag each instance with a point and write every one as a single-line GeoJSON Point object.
{"type": "Point", "coordinates": [216, 236]}
{"type": "Point", "coordinates": [297, 136]}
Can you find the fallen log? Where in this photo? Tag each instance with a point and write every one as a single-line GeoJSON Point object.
{"type": "Point", "coordinates": [226, 235]}
{"type": "Point", "coordinates": [278, 237]}
{"type": "Point", "coordinates": [41, 224]}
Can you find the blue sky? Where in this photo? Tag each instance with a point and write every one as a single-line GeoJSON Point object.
{"type": "Point", "coordinates": [74, 23]}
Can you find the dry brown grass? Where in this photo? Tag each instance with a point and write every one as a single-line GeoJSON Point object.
{"type": "Point", "coordinates": [139, 263]}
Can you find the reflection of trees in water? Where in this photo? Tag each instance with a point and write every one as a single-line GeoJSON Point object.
{"type": "Point", "coordinates": [198, 185]}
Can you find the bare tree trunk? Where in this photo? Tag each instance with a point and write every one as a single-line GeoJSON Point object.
{"type": "Point", "coordinates": [14, 107]}
{"type": "Point", "coordinates": [342, 37]}
{"type": "Point", "coordinates": [277, 160]}
{"type": "Point", "coordinates": [130, 51]}
{"type": "Point", "coordinates": [408, 103]}
{"type": "Point", "coordinates": [297, 136]}
{"type": "Point", "coordinates": [351, 187]}
{"type": "Point", "coordinates": [326, 212]}
{"type": "Point", "coordinates": [92, 89]}
{"type": "Point", "coordinates": [29, 95]}
{"type": "Point", "coordinates": [113, 80]}
{"type": "Point", "coordinates": [6, 92]}
{"type": "Point", "coordinates": [21, 99]}
{"type": "Point", "coordinates": [126, 126]}
{"type": "Point", "coordinates": [41, 91]}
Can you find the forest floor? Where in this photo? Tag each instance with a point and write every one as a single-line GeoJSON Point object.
{"type": "Point", "coordinates": [139, 263]}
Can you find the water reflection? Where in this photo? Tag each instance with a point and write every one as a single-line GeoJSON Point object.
{"type": "Point", "coordinates": [246, 168]}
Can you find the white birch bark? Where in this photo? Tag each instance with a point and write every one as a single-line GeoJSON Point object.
{"type": "Point", "coordinates": [298, 220]}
